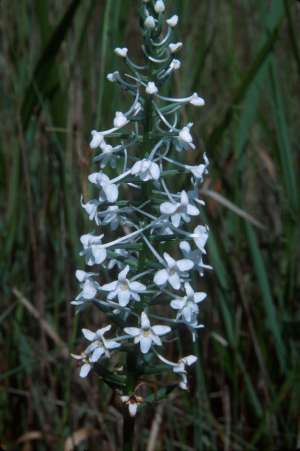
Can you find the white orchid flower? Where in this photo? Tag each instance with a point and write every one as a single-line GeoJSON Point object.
{"type": "Point", "coordinates": [197, 100]}
{"type": "Point", "coordinates": [120, 120]}
{"type": "Point", "coordinates": [172, 21]}
{"type": "Point", "coordinates": [124, 289]}
{"type": "Point", "coordinates": [174, 47]}
{"type": "Point", "coordinates": [173, 271]}
{"type": "Point", "coordinates": [180, 210]}
{"type": "Point", "coordinates": [93, 250]}
{"type": "Point", "coordinates": [146, 170]}
{"type": "Point", "coordinates": [89, 287]}
{"type": "Point", "coordinates": [180, 367]}
{"type": "Point", "coordinates": [133, 403]}
{"type": "Point", "coordinates": [122, 52]}
{"type": "Point", "coordinates": [200, 236]}
{"type": "Point", "coordinates": [195, 255]}
{"type": "Point", "coordinates": [112, 217]}
{"type": "Point", "coordinates": [91, 207]}
{"type": "Point", "coordinates": [188, 305]}
{"type": "Point", "coordinates": [97, 138]}
{"type": "Point", "coordinates": [149, 22]}
{"type": "Point", "coordinates": [175, 64]}
{"type": "Point", "coordinates": [86, 364]}
{"type": "Point", "coordinates": [186, 138]}
{"type": "Point", "coordinates": [99, 346]}
{"type": "Point", "coordinates": [159, 6]}
{"type": "Point", "coordinates": [108, 191]}
{"type": "Point", "coordinates": [147, 335]}
{"type": "Point", "coordinates": [200, 170]}
{"type": "Point", "coordinates": [151, 88]}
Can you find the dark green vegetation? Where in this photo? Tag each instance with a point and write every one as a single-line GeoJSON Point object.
{"type": "Point", "coordinates": [243, 56]}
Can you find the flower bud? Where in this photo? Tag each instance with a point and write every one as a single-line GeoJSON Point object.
{"type": "Point", "coordinates": [172, 21]}
{"type": "Point", "coordinates": [159, 6]}
{"type": "Point", "coordinates": [150, 22]}
{"type": "Point", "coordinates": [151, 88]}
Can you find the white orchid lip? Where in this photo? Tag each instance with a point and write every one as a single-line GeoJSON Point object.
{"type": "Point", "coordinates": [196, 100]}
{"type": "Point", "coordinates": [120, 120]}
{"type": "Point", "coordinates": [97, 138]}
{"type": "Point", "coordinates": [175, 64]}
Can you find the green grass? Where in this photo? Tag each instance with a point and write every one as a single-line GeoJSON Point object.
{"type": "Point", "coordinates": [243, 56]}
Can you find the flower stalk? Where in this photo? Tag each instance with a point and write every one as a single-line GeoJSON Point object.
{"type": "Point", "coordinates": [150, 242]}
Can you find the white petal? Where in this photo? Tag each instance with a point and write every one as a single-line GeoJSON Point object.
{"type": "Point", "coordinates": [188, 289]}
{"type": "Point", "coordinates": [167, 208]}
{"type": "Point", "coordinates": [174, 281]}
{"type": "Point", "coordinates": [85, 369]}
{"type": "Point", "coordinates": [184, 198]}
{"type": "Point", "coordinates": [81, 275]}
{"type": "Point", "coordinates": [161, 277]}
{"type": "Point", "coordinates": [155, 171]}
{"type": "Point", "coordinates": [111, 192]}
{"type": "Point", "coordinates": [161, 330]}
{"type": "Point", "coordinates": [110, 286]}
{"type": "Point", "coordinates": [111, 344]}
{"type": "Point", "coordinates": [176, 220]}
{"type": "Point", "coordinates": [145, 323]}
{"type": "Point", "coordinates": [170, 261]}
{"type": "Point", "coordinates": [190, 359]}
{"type": "Point", "coordinates": [122, 275]}
{"type": "Point", "coordinates": [145, 344]}
{"type": "Point", "coordinates": [177, 304]}
{"type": "Point", "coordinates": [132, 407]}
{"type": "Point", "coordinates": [99, 254]}
{"type": "Point", "coordinates": [192, 210]}
{"type": "Point", "coordinates": [172, 21]}
{"type": "Point", "coordinates": [185, 264]}
{"type": "Point", "coordinates": [137, 286]}
{"type": "Point", "coordinates": [133, 331]}
{"type": "Point", "coordinates": [99, 351]}
{"type": "Point", "coordinates": [123, 297]}
{"type": "Point", "coordinates": [89, 335]}
{"type": "Point", "coordinates": [89, 290]}
{"type": "Point", "coordinates": [199, 297]}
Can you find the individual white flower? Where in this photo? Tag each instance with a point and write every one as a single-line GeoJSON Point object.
{"type": "Point", "coordinates": [186, 137]}
{"type": "Point", "coordinates": [151, 88]}
{"type": "Point", "coordinates": [114, 76]}
{"type": "Point", "coordinates": [174, 47]}
{"type": "Point", "coordinates": [195, 255]}
{"type": "Point", "coordinates": [86, 365]}
{"type": "Point", "coordinates": [89, 287]}
{"type": "Point", "coordinates": [200, 236]}
{"type": "Point", "coordinates": [146, 170]}
{"type": "Point", "coordinates": [93, 251]}
{"type": "Point", "coordinates": [180, 210]}
{"type": "Point", "coordinates": [200, 170]}
{"type": "Point", "coordinates": [175, 64]}
{"type": "Point", "coordinates": [173, 271]}
{"type": "Point", "coordinates": [197, 100]}
{"type": "Point", "coordinates": [147, 335]}
{"type": "Point", "coordinates": [91, 207]}
{"type": "Point", "coordinates": [97, 138]}
{"type": "Point", "coordinates": [133, 403]}
{"type": "Point", "coordinates": [149, 22]}
{"type": "Point", "coordinates": [172, 21]}
{"type": "Point", "coordinates": [112, 217]}
{"type": "Point", "coordinates": [122, 52]}
{"type": "Point", "coordinates": [159, 6]}
{"type": "Point", "coordinates": [99, 346]}
{"type": "Point", "coordinates": [107, 156]}
{"type": "Point", "coordinates": [188, 305]}
{"type": "Point", "coordinates": [124, 289]}
{"type": "Point", "coordinates": [180, 368]}
{"type": "Point", "coordinates": [120, 120]}
{"type": "Point", "coordinates": [108, 191]}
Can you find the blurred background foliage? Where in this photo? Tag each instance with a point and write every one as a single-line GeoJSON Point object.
{"type": "Point", "coordinates": [243, 56]}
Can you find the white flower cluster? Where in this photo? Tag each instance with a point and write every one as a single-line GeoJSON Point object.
{"type": "Point", "coordinates": [149, 245]}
